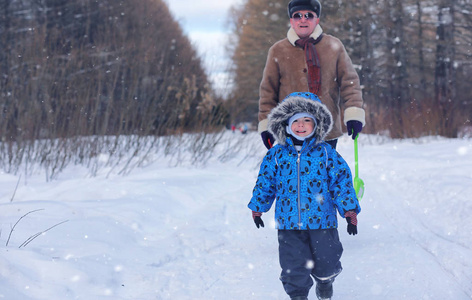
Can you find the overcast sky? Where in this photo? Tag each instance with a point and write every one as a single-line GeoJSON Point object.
{"type": "Point", "coordinates": [205, 23]}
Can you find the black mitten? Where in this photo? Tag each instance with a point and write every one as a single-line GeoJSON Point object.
{"type": "Point", "coordinates": [353, 128]}
{"type": "Point", "coordinates": [268, 139]}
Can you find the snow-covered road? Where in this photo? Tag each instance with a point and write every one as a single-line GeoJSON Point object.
{"type": "Point", "coordinates": [186, 233]}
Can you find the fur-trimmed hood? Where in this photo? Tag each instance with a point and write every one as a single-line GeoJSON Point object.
{"type": "Point", "coordinates": [300, 102]}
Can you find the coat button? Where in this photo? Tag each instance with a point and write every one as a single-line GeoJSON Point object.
{"type": "Point", "coordinates": [304, 70]}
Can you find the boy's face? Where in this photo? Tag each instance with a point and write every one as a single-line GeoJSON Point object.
{"type": "Point", "coordinates": [303, 126]}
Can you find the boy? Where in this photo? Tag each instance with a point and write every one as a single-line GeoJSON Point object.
{"type": "Point", "coordinates": [310, 181]}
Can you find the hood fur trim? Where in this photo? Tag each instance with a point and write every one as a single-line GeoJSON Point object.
{"type": "Point", "coordinates": [279, 116]}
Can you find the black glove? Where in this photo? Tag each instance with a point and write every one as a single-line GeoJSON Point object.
{"type": "Point", "coordinates": [268, 139]}
{"type": "Point", "coordinates": [257, 218]}
{"type": "Point", "coordinates": [353, 127]}
{"type": "Point", "coordinates": [351, 218]}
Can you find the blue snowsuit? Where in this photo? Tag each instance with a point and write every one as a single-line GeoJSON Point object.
{"type": "Point", "coordinates": [309, 186]}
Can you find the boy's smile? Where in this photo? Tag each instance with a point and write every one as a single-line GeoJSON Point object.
{"type": "Point", "coordinates": [303, 127]}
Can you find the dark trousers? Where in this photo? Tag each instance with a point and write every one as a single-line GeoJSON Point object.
{"type": "Point", "coordinates": [306, 253]}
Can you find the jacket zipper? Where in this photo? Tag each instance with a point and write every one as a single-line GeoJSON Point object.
{"type": "Point", "coordinates": [298, 189]}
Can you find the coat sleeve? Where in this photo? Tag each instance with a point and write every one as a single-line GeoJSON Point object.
{"type": "Point", "coordinates": [263, 194]}
{"type": "Point", "coordinates": [268, 90]}
{"type": "Point", "coordinates": [341, 185]}
{"type": "Point", "coordinates": [350, 89]}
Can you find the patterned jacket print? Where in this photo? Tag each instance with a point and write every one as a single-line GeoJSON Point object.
{"type": "Point", "coordinates": [308, 186]}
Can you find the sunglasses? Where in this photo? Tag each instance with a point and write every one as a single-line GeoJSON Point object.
{"type": "Point", "coordinates": [299, 16]}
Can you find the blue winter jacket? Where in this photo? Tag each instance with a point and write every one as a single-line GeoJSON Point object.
{"type": "Point", "coordinates": [308, 186]}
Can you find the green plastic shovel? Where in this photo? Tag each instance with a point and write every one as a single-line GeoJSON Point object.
{"type": "Point", "coordinates": [358, 183]}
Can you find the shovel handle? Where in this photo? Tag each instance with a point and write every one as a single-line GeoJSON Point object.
{"type": "Point", "coordinates": [356, 156]}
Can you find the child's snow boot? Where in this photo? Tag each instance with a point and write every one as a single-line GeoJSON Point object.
{"type": "Point", "coordinates": [324, 291]}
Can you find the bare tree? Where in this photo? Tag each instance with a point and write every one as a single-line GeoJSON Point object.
{"type": "Point", "coordinates": [96, 69]}
{"type": "Point", "coordinates": [255, 27]}
{"type": "Point", "coordinates": [445, 77]}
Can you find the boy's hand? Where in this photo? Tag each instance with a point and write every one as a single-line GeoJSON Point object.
{"type": "Point", "coordinates": [256, 216]}
{"type": "Point", "coordinates": [351, 218]}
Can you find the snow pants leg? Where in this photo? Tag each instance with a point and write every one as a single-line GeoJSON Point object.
{"type": "Point", "coordinates": [306, 253]}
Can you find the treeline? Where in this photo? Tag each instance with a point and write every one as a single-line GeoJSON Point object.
{"type": "Point", "coordinates": [413, 58]}
{"type": "Point", "coordinates": [92, 67]}
{"type": "Point", "coordinates": [70, 69]}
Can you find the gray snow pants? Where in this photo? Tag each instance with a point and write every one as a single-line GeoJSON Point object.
{"type": "Point", "coordinates": [306, 253]}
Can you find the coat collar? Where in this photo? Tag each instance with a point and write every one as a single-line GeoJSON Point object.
{"type": "Point", "coordinates": [293, 37]}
